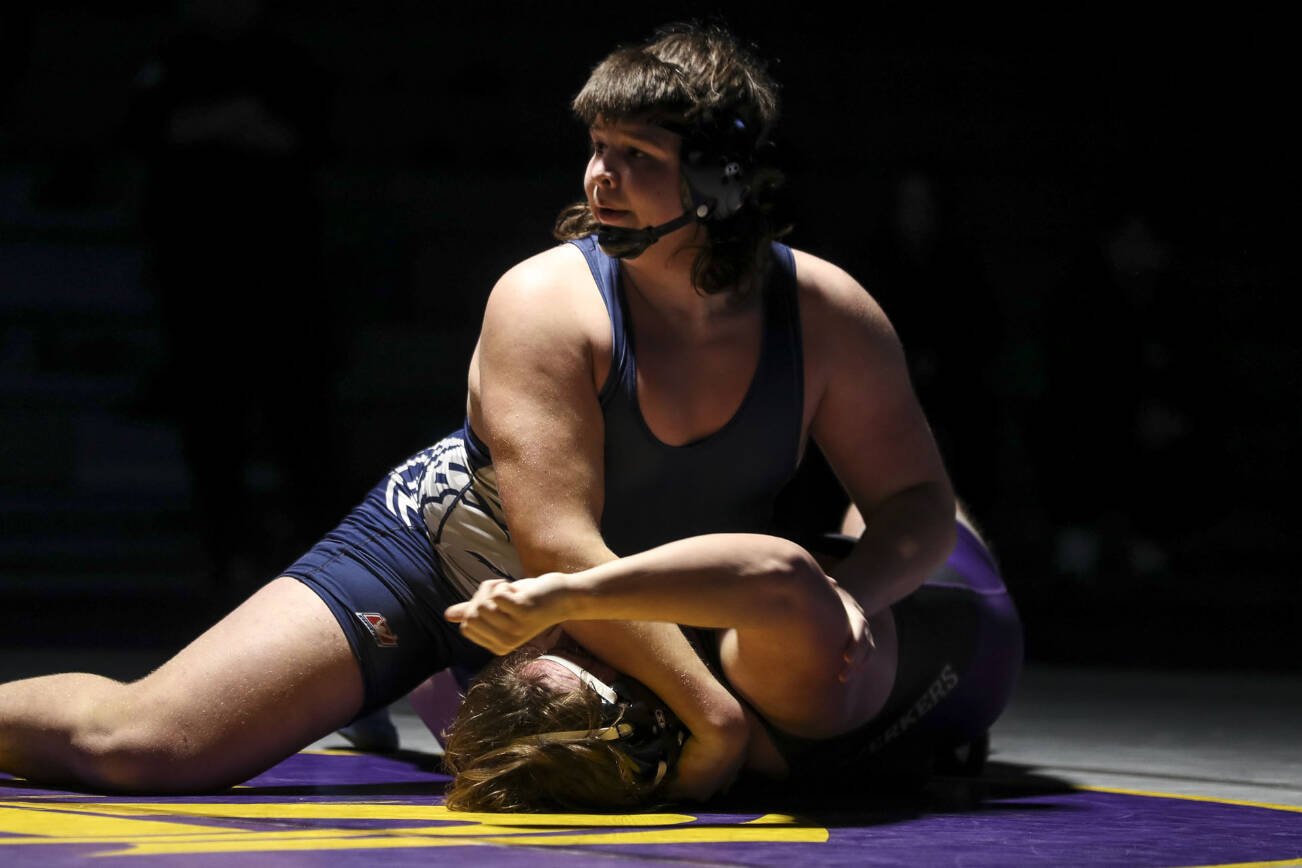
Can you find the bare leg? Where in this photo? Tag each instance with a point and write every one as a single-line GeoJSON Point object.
{"type": "Point", "coordinates": [268, 678]}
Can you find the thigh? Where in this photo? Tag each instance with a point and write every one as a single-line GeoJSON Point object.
{"type": "Point", "coordinates": [379, 575]}
{"type": "Point", "coordinates": [270, 677]}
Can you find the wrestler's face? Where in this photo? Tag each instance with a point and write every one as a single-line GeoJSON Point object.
{"type": "Point", "coordinates": [632, 178]}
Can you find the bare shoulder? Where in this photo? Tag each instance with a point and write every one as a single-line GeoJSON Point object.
{"type": "Point", "coordinates": [543, 352]}
{"type": "Point", "coordinates": [859, 399]}
{"type": "Point", "coordinates": [549, 305]}
{"type": "Point", "coordinates": [545, 333]}
{"type": "Point", "coordinates": [555, 284]}
{"type": "Point", "coordinates": [840, 319]}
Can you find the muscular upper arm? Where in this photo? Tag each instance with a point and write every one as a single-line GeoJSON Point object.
{"type": "Point", "coordinates": [534, 402]}
{"type": "Point", "coordinates": [533, 399]}
{"type": "Point", "coordinates": [865, 416]}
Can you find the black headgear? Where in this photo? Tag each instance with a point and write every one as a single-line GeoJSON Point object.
{"type": "Point", "coordinates": [716, 164]}
{"type": "Point", "coordinates": [648, 733]}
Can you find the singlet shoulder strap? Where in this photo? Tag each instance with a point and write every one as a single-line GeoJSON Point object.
{"type": "Point", "coordinates": [784, 292]}
{"type": "Point", "coordinates": [786, 259]}
{"type": "Point", "coordinates": [605, 271]}
{"type": "Point", "coordinates": [782, 324]}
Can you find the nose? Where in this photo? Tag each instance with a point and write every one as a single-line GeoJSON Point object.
{"type": "Point", "coordinates": [603, 174]}
{"type": "Point", "coordinates": [605, 171]}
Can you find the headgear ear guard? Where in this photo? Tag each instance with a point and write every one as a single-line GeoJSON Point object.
{"type": "Point", "coordinates": [716, 164]}
{"type": "Point", "coordinates": [648, 733]}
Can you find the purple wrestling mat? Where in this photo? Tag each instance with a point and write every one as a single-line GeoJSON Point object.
{"type": "Point", "coordinates": [339, 808]}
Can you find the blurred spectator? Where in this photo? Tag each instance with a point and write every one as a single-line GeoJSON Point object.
{"type": "Point", "coordinates": [231, 120]}
{"type": "Point", "coordinates": [15, 53]}
{"type": "Point", "coordinates": [1116, 439]}
{"type": "Point", "coordinates": [935, 292]}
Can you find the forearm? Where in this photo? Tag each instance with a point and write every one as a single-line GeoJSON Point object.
{"type": "Point", "coordinates": [659, 655]}
{"type": "Point", "coordinates": [719, 580]}
{"type": "Point", "coordinates": [502, 615]}
{"type": "Point", "coordinates": [656, 653]}
{"type": "Point", "coordinates": [905, 540]}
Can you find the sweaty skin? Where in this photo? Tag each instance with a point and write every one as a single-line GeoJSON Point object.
{"type": "Point", "coordinates": [788, 626]}
{"type": "Point", "coordinates": [545, 351]}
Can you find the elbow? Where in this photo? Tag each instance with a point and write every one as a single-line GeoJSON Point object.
{"type": "Point", "coordinates": [936, 498]}
{"type": "Point", "coordinates": [931, 531]}
{"type": "Point", "coordinates": [949, 538]}
{"type": "Point", "coordinates": [946, 523]}
{"type": "Point", "coordinates": [560, 553]}
{"type": "Point", "coordinates": [537, 560]}
{"type": "Point", "coordinates": [790, 579]}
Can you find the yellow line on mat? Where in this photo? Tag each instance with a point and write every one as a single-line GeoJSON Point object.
{"type": "Point", "coordinates": [1294, 808]}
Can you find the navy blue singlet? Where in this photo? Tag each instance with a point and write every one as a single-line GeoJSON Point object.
{"type": "Point", "coordinates": [726, 481]}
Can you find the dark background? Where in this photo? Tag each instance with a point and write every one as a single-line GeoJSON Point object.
{"type": "Point", "coordinates": [1076, 222]}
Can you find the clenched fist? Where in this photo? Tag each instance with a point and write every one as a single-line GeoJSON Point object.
{"type": "Point", "coordinates": [504, 615]}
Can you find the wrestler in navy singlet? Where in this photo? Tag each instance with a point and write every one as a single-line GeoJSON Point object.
{"type": "Point", "coordinates": [724, 482]}
{"type": "Point", "coordinates": [434, 529]}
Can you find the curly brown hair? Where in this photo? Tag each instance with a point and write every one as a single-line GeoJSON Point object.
{"type": "Point", "coordinates": [688, 77]}
{"type": "Point", "coordinates": [495, 767]}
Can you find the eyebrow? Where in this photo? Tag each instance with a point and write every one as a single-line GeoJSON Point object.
{"type": "Point", "coordinates": [651, 137]}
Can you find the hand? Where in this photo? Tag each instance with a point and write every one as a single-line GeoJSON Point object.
{"type": "Point", "coordinates": [861, 645]}
{"type": "Point", "coordinates": [708, 764]}
{"type": "Point", "coordinates": [504, 615]}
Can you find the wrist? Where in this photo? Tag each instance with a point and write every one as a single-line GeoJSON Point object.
{"type": "Point", "coordinates": [571, 597]}
{"type": "Point", "coordinates": [552, 597]}
{"type": "Point", "coordinates": [583, 600]}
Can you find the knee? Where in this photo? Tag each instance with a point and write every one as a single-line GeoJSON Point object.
{"type": "Point", "coordinates": [132, 749]}
{"type": "Point", "coordinates": [118, 761]}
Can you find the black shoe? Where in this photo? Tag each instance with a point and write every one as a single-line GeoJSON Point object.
{"type": "Point", "coordinates": [966, 760]}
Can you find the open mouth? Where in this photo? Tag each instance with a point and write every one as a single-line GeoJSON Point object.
{"type": "Point", "coordinates": [607, 215]}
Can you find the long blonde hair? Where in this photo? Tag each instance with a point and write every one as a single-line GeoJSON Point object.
{"type": "Point", "coordinates": [496, 768]}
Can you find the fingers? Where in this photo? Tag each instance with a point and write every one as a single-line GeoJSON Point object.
{"type": "Point", "coordinates": [856, 655]}
{"type": "Point", "coordinates": [495, 631]}
{"type": "Point", "coordinates": [860, 646]}
{"type": "Point", "coordinates": [493, 618]}
{"type": "Point", "coordinates": [460, 612]}
{"type": "Point", "coordinates": [857, 650]}
{"type": "Point", "coordinates": [500, 640]}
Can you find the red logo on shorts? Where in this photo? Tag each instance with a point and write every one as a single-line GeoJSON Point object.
{"type": "Point", "coordinates": [379, 627]}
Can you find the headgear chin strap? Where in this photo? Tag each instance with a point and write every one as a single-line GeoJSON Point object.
{"type": "Point", "coordinates": [621, 243]}
{"type": "Point", "coordinates": [715, 165]}
{"type": "Point", "coordinates": [648, 733]}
